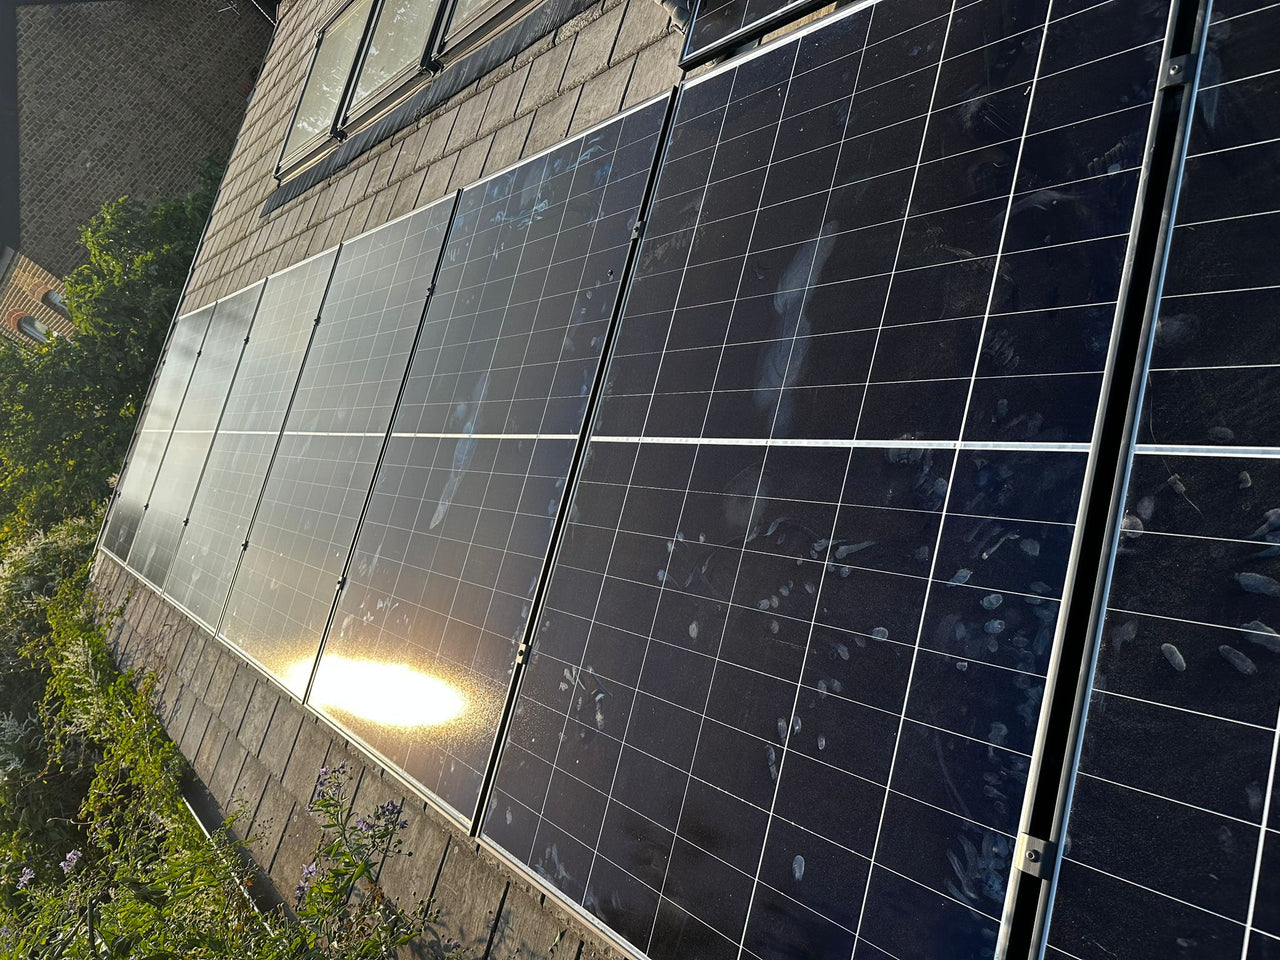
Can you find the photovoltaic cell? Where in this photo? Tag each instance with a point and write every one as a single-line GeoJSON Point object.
{"type": "Point", "coordinates": [457, 532]}
{"type": "Point", "coordinates": [1173, 836]}
{"type": "Point", "coordinates": [153, 436]}
{"type": "Point", "coordinates": [162, 525]}
{"type": "Point", "coordinates": [788, 672]}
{"type": "Point", "coordinates": [246, 439]}
{"type": "Point", "coordinates": [719, 25]}
{"type": "Point", "coordinates": [320, 478]}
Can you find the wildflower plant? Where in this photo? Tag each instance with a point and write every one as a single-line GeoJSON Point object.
{"type": "Point", "coordinates": [341, 908]}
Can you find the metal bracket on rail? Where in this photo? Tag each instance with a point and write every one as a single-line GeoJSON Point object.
{"type": "Point", "coordinates": [1034, 856]}
{"type": "Point", "coordinates": [1177, 72]}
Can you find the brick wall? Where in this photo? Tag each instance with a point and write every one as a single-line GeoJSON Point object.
{"type": "Point", "coordinates": [123, 97]}
{"type": "Point", "coordinates": [22, 288]}
{"type": "Point", "coordinates": [617, 53]}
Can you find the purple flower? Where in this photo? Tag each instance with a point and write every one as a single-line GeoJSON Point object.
{"type": "Point", "coordinates": [363, 825]}
{"type": "Point", "coordinates": [390, 811]}
{"type": "Point", "coordinates": [308, 874]}
{"type": "Point", "coordinates": [70, 862]}
{"type": "Point", "coordinates": [25, 877]}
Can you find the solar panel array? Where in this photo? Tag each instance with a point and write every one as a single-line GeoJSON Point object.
{"type": "Point", "coordinates": [793, 605]}
{"type": "Point", "coordinates": [457, 533]}
{"type": "Point", "coordinates": [241, 452]}
{"type": "Point", "coordinates": [1173, 845]}
{"type": "Point", "coordinates": [152, 436]}
{"type": "Point", "coordinates": [334, 433]}
{"type": "Point", "coordinates": [788, 674]}
{"type": "Point", "coordinates": [162, 526]}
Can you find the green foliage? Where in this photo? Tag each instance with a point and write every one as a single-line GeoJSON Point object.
{"type": "Point", "coordinates": [67, 407]}
{"type": "Point", "coordinates": [39, 797]}
{"type": "Point", "coordinates": [139, 878]}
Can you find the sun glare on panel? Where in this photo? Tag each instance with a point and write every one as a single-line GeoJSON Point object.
{"type": "Point", "coordinates": [388, 694]}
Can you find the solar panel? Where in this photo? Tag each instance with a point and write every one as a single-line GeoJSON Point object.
{"type": "Point", "coordinates": [720, 25]}
{"type": "Point", "coordinates": [319, 480]}
{"type": "Point", "coordinates": [157, 539]}
{"type": "Point", "coordinates": [458, 529]}
{"type": "Point", "coordinates": [787, 676]}
{"type": "Point", "coordinates": [152, 436]}
{"type": "Point", "coordinates": [246, 439]}
{"type": "Point", "coordinates": [1173, 836]}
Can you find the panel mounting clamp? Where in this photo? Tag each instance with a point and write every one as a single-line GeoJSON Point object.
{"type": "Point", "coordinates": [1034, 856]}
{"type": "Point", "coordinates": [1177, 71]}
{"type": "Point", "coordinates": [522, 654]}
{"type": "Point", "coordinates": [638, 230]}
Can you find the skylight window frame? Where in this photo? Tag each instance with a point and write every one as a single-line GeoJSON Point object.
{"type": "Point", "coordinates": [389, 93]}
{"type": "Point", "coordinates": [305, 154]}
{"type": "Point", "coordinates": [457, 39]}
{"type": "Point", "coordinates": [442, 44]}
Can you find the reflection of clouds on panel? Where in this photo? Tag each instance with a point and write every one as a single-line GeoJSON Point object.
{"type": "Point", "coordinates": [387, 694]}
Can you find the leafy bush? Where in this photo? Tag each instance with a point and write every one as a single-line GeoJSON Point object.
{"type": "Point", "coordinates": [67, 407]}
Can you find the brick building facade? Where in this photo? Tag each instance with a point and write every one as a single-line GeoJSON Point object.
{"type": "Point", "coordinates": [114, 98]}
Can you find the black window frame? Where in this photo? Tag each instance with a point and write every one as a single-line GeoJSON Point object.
{"type": "Point", "coordinates": [442, 45]}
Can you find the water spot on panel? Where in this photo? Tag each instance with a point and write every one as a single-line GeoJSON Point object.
{"type": "Point", "coordinates": [961, 576]}
{"type": "Point", "coordinates": [1238, 660]}
{"type": "Point", "coordinates": [1263, 635]}
{"type": "Point", "coordinates": [991, 601]}
{"type": "Point", "coordinates": [1245, 480]}
{"type": "Point", "coordinates": [1174, 656]}
{"type": "Point", "coordinates": [1259, 584]}
{"type": "Point", "coordinates": [797, 867]}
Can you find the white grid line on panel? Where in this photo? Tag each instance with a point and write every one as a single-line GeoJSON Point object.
{"type": "Point", "coordinates": [1269, 792]}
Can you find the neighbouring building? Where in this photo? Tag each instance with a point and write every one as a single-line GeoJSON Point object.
{"type": "Point", "coordinates": [763, 480]}
{"type": "Point", "coordinates": [100, 99]}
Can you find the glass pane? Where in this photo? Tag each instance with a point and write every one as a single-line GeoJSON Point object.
{"type": "Point", "coordinates": [464, 10]}
{"type": "Point", "coordinates": [328, 75]}
{"type": "Point", "coordinates": [398, 42]}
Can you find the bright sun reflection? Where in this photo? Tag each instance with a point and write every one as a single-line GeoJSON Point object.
{"type": "Point", "coordinates": [388, 694]}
